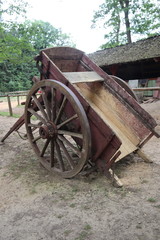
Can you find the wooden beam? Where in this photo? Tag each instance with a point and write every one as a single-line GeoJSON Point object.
{"type": "Point", "coordinates": [76, 77]}
{"type": "Point", "coordinates": [146, 89]}
{"type": "Point", "coordinates": [9, 105]}
{"type": "Point", "coordinates": [144, 156]}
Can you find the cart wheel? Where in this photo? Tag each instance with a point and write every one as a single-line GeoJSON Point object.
{"type": "Point", "coordinates": [123, 84]}
{"type": "Point", "coordinates": [57, 128]}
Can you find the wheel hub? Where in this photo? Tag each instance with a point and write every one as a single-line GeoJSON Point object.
{"type": "Point", "coordinates": [48, 131]}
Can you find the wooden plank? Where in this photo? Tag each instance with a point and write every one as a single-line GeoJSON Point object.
{"type": "Point", "coordinates": [125, 125]}
{"type": "Point", "coordinates": [146, 89]}
{"type": "Point", "coordinates": [76, 77]}
{"type": "Point", "coordinates": [143, 156]}
{"type": "Point", "coordinates": [122, 95]}
{"type": "Point", "coordinates": [115, 180]}
{"type": "Point", "coordinates": [9, 106]}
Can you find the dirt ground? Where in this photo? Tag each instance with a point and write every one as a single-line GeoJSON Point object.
{"type": "Point", "coordinates": [36, 205]}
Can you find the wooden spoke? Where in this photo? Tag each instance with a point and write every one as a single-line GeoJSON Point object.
{"type": "Point", "coordinates": [67, 121]}
{"type": "Point", "coordinates": [37, 115]}
{"type": "Point", "coordinates": [72, 134]}
{"type": "Point", "coordinates": [61, 110]}
{"type": "Point", "coordinates": [40, 107]}
{"type": "Point", "coordinates": [46, 103]}
{"type": "Point", "coordinates": [68, 157]}
{"type": "Point", "coordinates": [69, 144]}
{"type": "Point", "coordinates": [53, 104]}
{"type": "Point", "coordinates": [59, 156]}
{"type": "Point", "coordinates": [61, 139]}
{"type": "Point", "coordinates": [45, 147]}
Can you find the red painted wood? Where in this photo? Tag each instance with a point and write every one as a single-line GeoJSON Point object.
{"type": "Point", "coordinates": [122, 95]}
{"type": "Point", "coordinates": [101, 136]}
{"type": "Point", "coordinates": [104, 141]}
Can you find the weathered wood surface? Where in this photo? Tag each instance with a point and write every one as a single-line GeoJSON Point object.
{"type": "Point", "coordinates": [107, 98]}
{"type": "Point", "coordinates": [146, 89]}
{"type": "Point", "coordinates": [122, 121]}
{"type": "Point", "coordinates": [75, 77]}
{"type": "Point", "coordinates": [104, 141]}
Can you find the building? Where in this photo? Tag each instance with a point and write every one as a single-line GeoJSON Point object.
{"type": "Point", "coordinates": [139, 60]}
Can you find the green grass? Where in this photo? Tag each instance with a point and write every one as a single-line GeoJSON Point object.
{"type": "Point", "coordinates": [157, 206]}
{"type": "Point", "coordinates": [6, 114]}
{"type": "Point", "coordinates": [87, 227]}
{"type": "Point", "coordinates": [13, 99]}
{"type": "Point", "coordinates": [84, 233]}
{"type": "Point", "coordinates": [153, 200]}
{"type": "Point", "coordinates": [67, 232]}
{"type": "Point", "coordinates": [72, 205]}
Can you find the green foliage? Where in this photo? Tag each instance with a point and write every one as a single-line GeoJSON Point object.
{"type": "Point", "coordinates": [12, 7]}
{"type": "Point", "coordinates": [17, 77]}
{"type": "Point", "coordinates": [124, 19]}
{"type": "Point", "coordinates": [20, 42]}
{"type": "Point", "coordinates": [13, 49]}
{"type": "Point", "coordinates": [40, 34]}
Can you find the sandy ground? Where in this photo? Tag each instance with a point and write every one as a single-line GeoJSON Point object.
{"type": "Point", "coordinates": [36, 205]}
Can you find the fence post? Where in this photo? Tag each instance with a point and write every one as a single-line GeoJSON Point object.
{"type": "Point", "coordinates": [9, 105]}
{"type": "Point", "coordinates": [18, 100]}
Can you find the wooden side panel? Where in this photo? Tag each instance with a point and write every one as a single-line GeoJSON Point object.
{"type": "Point", "coordinates": [102, 134]}
{"type": "Point", "coordinates": [65, 58]}
{"type": "Point", "coordinates": [124, 123]}
{"type": "Point", "coordinates": [109, 108]}
{"type": "Point", "coordinates": [122, 95]}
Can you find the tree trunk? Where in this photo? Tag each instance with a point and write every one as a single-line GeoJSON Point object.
{"type": "Point", "coordinates": [117, 32]}
{"type": "Point", "coordinates": [126, 15]}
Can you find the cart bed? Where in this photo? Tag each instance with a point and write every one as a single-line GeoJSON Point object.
{"type": "Point", "coordinates": [115, 106]}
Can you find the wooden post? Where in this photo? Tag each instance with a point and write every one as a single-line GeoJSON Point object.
{"type": "Point", "coordinates": [18, 100]}
{"type": "Point", "coordinates": [144, 156]}
{"type": "Point", "coordinates": [9, 105]}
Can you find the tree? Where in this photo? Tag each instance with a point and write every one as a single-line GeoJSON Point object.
{"type": "Point", "coordinates": [125, 20]}
{"type": "Point", "coordinates": [20, 42]}
{"type": "Point", "coordinates": [15, 8]}
{"type": "Point", "coordinates": [11, 47]}
{"type": "Point", "coordinates": [41, 34]}
{"type": "Point", "coordinates": [15, 53]}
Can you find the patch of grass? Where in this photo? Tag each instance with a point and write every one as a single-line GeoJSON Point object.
{"type": "Point", "coordinates": [67, 232]}
{"type": "Point", "coordinates": [62, 197]}
{"type": "Point", "coordinates": [72, 205]}
{"type": "Point", "coordinates": [157, 206]}
{"type": "Point", "coordinates": [33, 190]}
{"type": "Point", "coordinates": [84, 233]}
{"type": "Point", "coordinates": [60, 216]}
{"type": "Point", "coordinates": [5, 174]}
{"type": "Point", "coordinates": [87, 227]}
{"type": "Point", "coordinates": [86, 207]}
{"type": "Point", "coordinates": [139, 226]}
{"type": "Point", "coordinates": [4, 99]}
{"type": "Point", "coordinates": [13, 99]}
{"type": "Point", "coordinates": [26, 168]}
{"type": "Point", "coordinates": [75, 189]}
{"type": "Point", "coordinates": [144, 181]}
{"type": "Point", "coordinates": [20, 106]}
{"type": "Point", "coordinates": [121, 191]}
{"type": "Point", "coordinates": [6, 114]}
{"type": "Point", "coordinates": [153, 200]}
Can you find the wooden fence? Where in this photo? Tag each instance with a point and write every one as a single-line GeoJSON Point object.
{"type": "Point", "coordinates": [16, 94]}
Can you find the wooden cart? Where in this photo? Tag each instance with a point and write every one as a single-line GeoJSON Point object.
{"type": "Point", "coordinates": [77, 116]}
